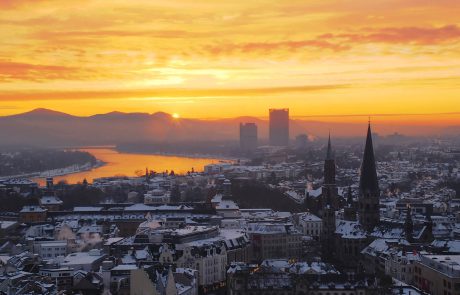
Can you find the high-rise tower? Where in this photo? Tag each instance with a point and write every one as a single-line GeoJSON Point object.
{"type": "Point", "coordinates": [369, 192]}
{"type": "Point", "coordinates": [248, 136]}
{"type": "Point", "coordinates": [279, 127]}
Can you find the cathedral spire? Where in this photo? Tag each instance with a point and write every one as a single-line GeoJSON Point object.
{"type": "Point", "coordinates": [329, 165]}
{"type": "Point", "coordinates": [368, 181]}
{"type": "Point", "coordinates": [369, 193]}
{"type": "Point", "coordinates": [329, 149]}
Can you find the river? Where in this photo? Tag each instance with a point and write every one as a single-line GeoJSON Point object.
{"type": "Point", "coordinates": [128, 164]}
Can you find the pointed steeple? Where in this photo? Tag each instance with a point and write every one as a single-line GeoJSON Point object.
{"type": "Point", "coordinates": [369, 193]}
{"type": "Point", "coordinates": [368, 180]}
{"type": "Point", "coordinates": [329, 155]}
{"type": "Point", "coordinates": [329, 165]}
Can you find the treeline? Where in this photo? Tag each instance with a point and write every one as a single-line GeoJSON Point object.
{"type": "Point", "coordinates": [258, 195]}
{"type": "Point", "coordinates": [13, 202]}
{"type": "Point", "coordinates": [84, 195]}
{"type": "Point", "coordinates": [36, 160]}
{"type": "Point", "coordinates": [455, 185]}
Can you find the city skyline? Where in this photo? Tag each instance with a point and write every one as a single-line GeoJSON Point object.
{"type": "Point", "coordinates": [176, 147]}
{"type": "Point", "coordinates": [332, 61]}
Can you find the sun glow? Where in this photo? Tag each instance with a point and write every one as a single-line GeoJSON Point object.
{"type": "Point", "coordinates": [176, 116]}
{"type": "Point", "coordinates": [197, 58]}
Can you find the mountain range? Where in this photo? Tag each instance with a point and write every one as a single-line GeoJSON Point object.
{"type": "Point", "coordinates": [48, 128]}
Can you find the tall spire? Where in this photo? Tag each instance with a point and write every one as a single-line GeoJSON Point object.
{"type": "Point", "coordinates": [329, 165]}
{"type": "Point", "coordinates": [369, 193]}
{"type": "Point", "coordinates": [329, 149]}
{"type": "Point", "coordinates": [368, 181]}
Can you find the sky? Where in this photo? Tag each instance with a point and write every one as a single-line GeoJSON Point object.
{"type": "Point", "coordinates": [323, 59]}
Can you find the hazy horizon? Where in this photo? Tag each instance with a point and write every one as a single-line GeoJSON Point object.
{"type": "Point", "coordinates": [51, 128]}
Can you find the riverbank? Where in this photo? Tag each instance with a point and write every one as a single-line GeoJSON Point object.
{"type": "Point", "coordinates": [134, 164]}
{"type": "Point", "coordinates": [73, 169]}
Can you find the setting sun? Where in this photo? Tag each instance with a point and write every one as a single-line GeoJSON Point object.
{"type": "Point", "coordinates": [176, 116]}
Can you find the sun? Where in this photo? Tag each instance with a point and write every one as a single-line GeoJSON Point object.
{"type": "Point", "coordinates": [176, 116]}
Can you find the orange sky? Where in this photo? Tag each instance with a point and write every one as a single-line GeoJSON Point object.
{"type": "Point", "coordinates": [230, 58]}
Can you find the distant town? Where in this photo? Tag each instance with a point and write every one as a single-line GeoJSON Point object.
{"type": "Point", "coordinates": [293, 216]}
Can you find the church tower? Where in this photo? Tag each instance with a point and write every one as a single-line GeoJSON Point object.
{"type": "Point", "coordinates": [329, 204]}
{"type": "Point", "coordinates": [409, 225]}
{"type": "Point", "coordinates": [329, 188]}
{"type": "Point", "coordinates": [369, 192]}
{"type": "Point", "coordinates": [349, 212]}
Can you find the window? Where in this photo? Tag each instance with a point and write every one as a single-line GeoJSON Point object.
{"type": "Point", "coordinates": [457, 286]}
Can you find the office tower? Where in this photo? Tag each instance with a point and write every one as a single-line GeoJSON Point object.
{"type": "Point", "coordinates": [279, 127]}
{"type": "Point", "coordinates": [248, 136]}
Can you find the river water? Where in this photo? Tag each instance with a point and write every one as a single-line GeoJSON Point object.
{"type": "Point", "coordinates": [127, 164]}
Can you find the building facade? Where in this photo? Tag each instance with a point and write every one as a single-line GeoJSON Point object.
{"type": "Point", "coordinates": [248, 136]}
{"type": "Point", "coordinates": [279, 127]}
{"type": "Point", "coordinates": [438, 274]}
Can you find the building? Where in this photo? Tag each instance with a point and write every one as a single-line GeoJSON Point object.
{"type": "Point", "coordinates": [330, 204]}
{"type": "Point", "coordinates": [279, 127]}
{"type": "Point", "coordinates": [209, 259]}
{"type": "Point", "coordinates": [369, 192]}
{"type": "Point", "coordinates": [31, 214]}
{"type": "Point", "coordinates": [274, 240]}
{"type": "Point", "coordinates": [284, 277]}
{"type": "Point", "coordinates": [152, 282]}
{"type": "Point", "coordinates": [310, 224]}
{"type": "Point", "coordinates": [87, 261]}
{"type": "Point", "coordinates": [51, 203]}
{"type": "Point", "coordinates": [50, 249]}
{"type": "Point", "coordinates": [438, 274]}
{"type": "Point", "coordinates": [157, 197]}
{"type": "Point", "coordinates": [248, 136]}
{"type": "Point", "coordinates": [61, 276]}
{"type": "Point", "coordinates": [400, 265]}
{"type": "Point", "coordinates": [88, 283]}
{"type": "Point", "coordinates": [120, 279]}
{"type": "Point", "coordinates": [141, 283]}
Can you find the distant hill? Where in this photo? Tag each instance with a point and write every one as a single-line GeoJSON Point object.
{"type": "Point", "coordinates": [43, 127]}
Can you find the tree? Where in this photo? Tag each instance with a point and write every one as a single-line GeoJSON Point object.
{"type": "Point", "coordinates": [175, 194]}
